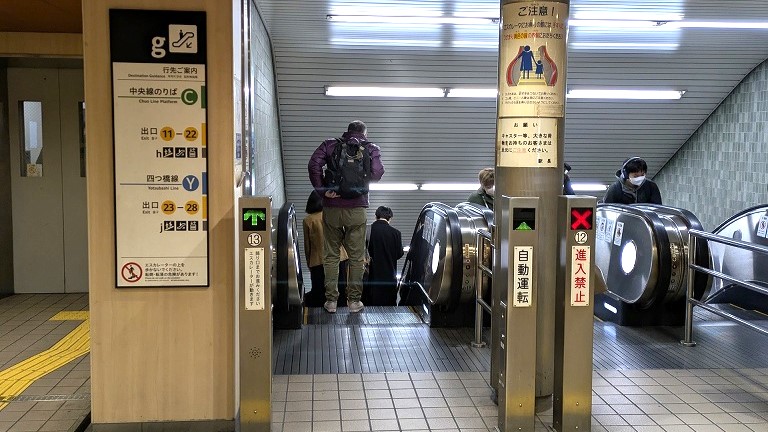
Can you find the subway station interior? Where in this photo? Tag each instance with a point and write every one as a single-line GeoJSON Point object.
{"type": "Point", "coordinates": [154, 203]}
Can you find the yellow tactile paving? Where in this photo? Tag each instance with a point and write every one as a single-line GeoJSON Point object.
{"type": "Point", "coordinates": [15, 379]}
{"type": "Point", "coordinates": [70, 316]}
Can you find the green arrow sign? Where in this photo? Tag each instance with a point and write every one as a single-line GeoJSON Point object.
{"type": "Point", "coordinates": [523, 227]}
{"type": "Point", "coordinates": [254, 216]}
{"type": "Point", "coordinates": [254, 219]}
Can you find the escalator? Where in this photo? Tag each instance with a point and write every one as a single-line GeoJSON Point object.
{"type": "Point", "coordinates": [641, 253]}
{"type": "Point", "coordinates": [438, 277]}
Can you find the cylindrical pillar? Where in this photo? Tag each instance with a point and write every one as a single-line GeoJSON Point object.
{"type": "Point", "coordinates": [530, 133]}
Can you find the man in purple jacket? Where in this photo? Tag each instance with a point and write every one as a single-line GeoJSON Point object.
{"type": "Point", "coordinates": [344, 220]}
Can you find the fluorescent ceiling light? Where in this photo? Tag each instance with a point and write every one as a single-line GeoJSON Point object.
{"type": "Point", "coordinates": [664, 24]}
{"type": "Point", "coordinates": [491, 93]}
{"type": "Point", "coordinates": [400, 19]}
{"type": "Point", "coordinates": [588, 187]}
{"type": "Point", "coordinates": [386, 42]}
{"type": "Point", "coordinates": [624, 45]}
{"type": "Point", "coordinates": [616, 24]}
{"type": "Point", "coordinates": [722, 25]}
{"type": "Point", "coordinates": [473, 92]}
{"type": "Point", "coordinates": [449, 186]}
{"type": "Point", "coordinates": [476, 44]}
{"type": "Point", "coordinates": [379, 186]}
{"type": "Point", "coordinates": [627, 16]}
{"type": "Point", "coordinates": [625, 94]}
{"type": "Point", "coordinates": [413, 92]}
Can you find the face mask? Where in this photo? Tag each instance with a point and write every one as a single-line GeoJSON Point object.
{"type": "Point", "coordinates": [490, 190]}
{"type": "Point", "coordinates": [637, 181]}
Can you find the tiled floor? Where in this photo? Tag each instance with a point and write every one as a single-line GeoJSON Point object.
{"type": "Point", "coordinates": [61, 400]}
{"type": "Point", "coordinates": [656, 400]}
{"type": "Point", "coordinates": [408, 377]}
{"type": "Point", "coordinates": [383, 402]}
{"type": "Point", "coordinates": [371, 375]}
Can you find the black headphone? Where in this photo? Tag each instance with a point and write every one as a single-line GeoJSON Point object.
{"type": "Point", "coordinates": [624, 173]}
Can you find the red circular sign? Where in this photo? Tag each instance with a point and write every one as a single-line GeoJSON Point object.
{"type": "Point", "coordinates": [131, 272]}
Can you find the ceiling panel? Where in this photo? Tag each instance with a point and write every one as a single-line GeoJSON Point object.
{"type": "Point", "coordinates": [43, 16]}
{"type": "Point", "coordinates": [450, 140]}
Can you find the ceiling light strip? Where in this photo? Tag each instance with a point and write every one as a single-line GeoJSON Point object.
{"type": "Point", "coordinates": [625, 94]}
{"type": "Point", "coordinates": [466, 187]}
{"type": "Point", "coordinates": [490, 93]}
{"type": "Point", "coordinates": [403, 19]}
{"type": "Point", "coordinates": [372, 91]}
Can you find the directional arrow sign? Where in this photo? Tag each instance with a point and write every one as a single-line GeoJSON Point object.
{"type": "Point", "coordinates": [254, 219]}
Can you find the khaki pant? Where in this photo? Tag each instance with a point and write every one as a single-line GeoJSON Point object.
{"type": "Point", "coordinates": [344, 226]}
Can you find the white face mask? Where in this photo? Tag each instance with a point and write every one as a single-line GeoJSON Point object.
{"type": "Point", "coordinates": [637, 181]}
{"type": "Point", "coordinates": [490, 191]}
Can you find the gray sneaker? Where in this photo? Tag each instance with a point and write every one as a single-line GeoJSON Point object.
{"type": "Point", "coordinates": [355, 306]}
{"type": "Point", "coordinates": [330, 306]}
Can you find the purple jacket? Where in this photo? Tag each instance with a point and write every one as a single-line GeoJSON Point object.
{"type": "Point", "coordinates": [323, 155]}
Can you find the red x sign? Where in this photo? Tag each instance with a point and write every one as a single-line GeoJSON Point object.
{"type": "Point", "coordinates": [581, 218]}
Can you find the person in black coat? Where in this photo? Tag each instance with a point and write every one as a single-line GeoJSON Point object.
{"type": "Point", "coordinates": [385, 247]}
{"type": "Point", "coordinates": [567, 186]}
{"type": "Point", "coordinates": [631, 186]}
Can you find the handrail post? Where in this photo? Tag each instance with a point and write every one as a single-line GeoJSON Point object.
{"type": "Point", "coordinates": [478, 342]}
{"type": "Point", "coordinates": [687, 341]}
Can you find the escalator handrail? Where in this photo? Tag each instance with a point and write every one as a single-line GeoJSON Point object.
{"type": "Point", "coordinates": [738, 215]}
{"type": "Point", "coordinates": [282, 297]}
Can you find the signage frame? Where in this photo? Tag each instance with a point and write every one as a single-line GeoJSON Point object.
{"type": "Point", "coordinates": [142, 40]}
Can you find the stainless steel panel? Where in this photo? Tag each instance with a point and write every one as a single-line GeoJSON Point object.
{"type": "Point", "coordinates": [572, 403]}
{"type": "Point", "coordinates": [627, 259]}
{"type": "Point", "coordinates": [517, 343]}
{"type": "Point", "coordinates": [254, 329]}
{"type": "Point", "coordinates": [499, 294]}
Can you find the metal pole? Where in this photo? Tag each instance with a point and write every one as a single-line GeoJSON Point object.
{"type": "Point", "coordinates": [478, 342]}
{"type": "Point", "coordinates": [689, 292]}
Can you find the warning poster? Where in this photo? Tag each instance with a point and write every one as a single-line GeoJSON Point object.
{"type": "Point", "coordinates": [532, 59]}
{"type": "Point", "coordinates": [160, 147]}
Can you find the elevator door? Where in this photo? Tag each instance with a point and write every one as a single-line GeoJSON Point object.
{"type": "Point", "coordinates": [48, 189]}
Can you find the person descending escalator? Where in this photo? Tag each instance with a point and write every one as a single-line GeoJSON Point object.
{"type": "Point", "coordinates": [385, 247]}
{"type": "Point", "coordinates": [632, 186]}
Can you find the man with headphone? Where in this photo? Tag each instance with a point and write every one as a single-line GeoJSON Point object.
{"type": "Point", "coordinates": [632, 186]}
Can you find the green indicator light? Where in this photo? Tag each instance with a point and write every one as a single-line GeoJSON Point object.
{"type": "Point", "coordinates": [254, 219]}
{"type": "Point", "coordinates": [254, 216]}
{"type": "Point", "coordinates": [523, 227]}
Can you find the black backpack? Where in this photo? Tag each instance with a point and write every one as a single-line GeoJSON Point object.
{"type": "Point", "coordinates": [349, 171]}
